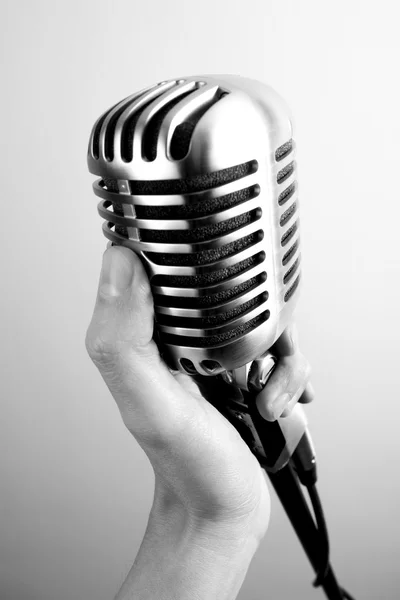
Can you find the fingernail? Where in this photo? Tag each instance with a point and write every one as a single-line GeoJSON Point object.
{"type": "Point", "coordinates": [280, 404]}
{"type": "Point", "coordinates": [116, 273]}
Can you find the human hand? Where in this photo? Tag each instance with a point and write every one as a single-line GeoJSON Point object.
{"type": "Point", "coordinates": [200, 461]}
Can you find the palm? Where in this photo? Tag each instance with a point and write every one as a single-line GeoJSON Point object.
{"type": "Point", "coordinates": [221, 475]}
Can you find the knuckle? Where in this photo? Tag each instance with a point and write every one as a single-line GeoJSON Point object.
{"type": "Point", "coordinates": [307, 370]}
{"type": "Point", "coordinates": [299, 373]}
{"type": "Point", "coordinates": [102, 352]}
{"type": "Point", "coordinates": [293, 337]}
{"type": "Point", "coordinates": [304, 367]}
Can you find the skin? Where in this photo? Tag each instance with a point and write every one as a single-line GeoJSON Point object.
{"type": "Point", "coordinates": [211, 503]}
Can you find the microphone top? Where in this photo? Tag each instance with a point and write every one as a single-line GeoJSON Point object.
{"type": "Point", "coordinates": [189, 126]}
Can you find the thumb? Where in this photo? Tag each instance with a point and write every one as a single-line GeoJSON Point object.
{"type": "Point", "coordinates": [124, 310]}
{"type": "Point", "coordinates": [119, 342]}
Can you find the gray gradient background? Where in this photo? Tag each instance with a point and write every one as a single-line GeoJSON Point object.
{"type": "Point", "coordinates": [75, 486]}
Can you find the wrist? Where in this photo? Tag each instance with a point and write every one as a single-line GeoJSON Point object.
{"type": "Point", "coordinates": [183, 556]}
{"type": "Point", "coordinates": [224, 532]}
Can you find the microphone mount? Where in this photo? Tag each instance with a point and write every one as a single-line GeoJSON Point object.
{"type": "Point", "coordinates": [252, 376]}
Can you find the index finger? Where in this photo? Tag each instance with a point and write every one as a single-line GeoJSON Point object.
{"type": "Point", "coordinates": [287, 345]}
{"type": "Point", "coordinates": [287, 342]}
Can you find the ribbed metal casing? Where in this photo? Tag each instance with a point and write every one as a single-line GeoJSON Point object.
{"type": "Point", "coordinates": [198, 177]}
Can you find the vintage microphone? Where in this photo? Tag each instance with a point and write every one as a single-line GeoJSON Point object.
{"type": "Point", "coordinates": [198, 177]}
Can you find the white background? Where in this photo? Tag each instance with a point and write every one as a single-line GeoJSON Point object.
{"type": "Point", "coordinates": [75, 486]}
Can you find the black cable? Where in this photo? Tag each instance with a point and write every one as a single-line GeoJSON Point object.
{"type": "Point", "coordinates": [323, 533]}
{"type": "Point", "coordinates": [304, 464]}
{"type": "Point", "coordinates": [300, 469]}
{"type": "Point", "coordinates": [293, 499]}
{"type": "Point", "coordinates": [324, 537]}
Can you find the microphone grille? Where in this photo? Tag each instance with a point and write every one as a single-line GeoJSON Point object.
{"type": "Point", "coordinates": [125, 118]}
{"type": "Point", "coordinates": [198, 176]}
{"type": "Point", "coordinates": [207, 272]}
{"type": "Point", "coordinates": [291, 277]}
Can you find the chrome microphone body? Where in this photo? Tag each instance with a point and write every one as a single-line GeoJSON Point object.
{"type": "Point", "coordinates": [201, 175]}
{"type": "Point", "coordinates": [198, 176]}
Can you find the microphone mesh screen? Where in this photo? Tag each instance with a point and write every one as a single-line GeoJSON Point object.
{"type": "Point", "coordinates": [286, 172]}
{"type": "Point", "coordinates": [203, 206]}
{"type": "Point", "coordinates": [199, 234]}
{"type": "Point", "coordinates": [289, 233]}
{"type": "Point", "coordinates": [206, 256]}
{"type": "Point", "coordinates": [291, 271]}
{"type": "Point", "coordinates": [291, 252]}
{"type": "Point", "coordinates": [287, 215]}
{"type": "Point", "coordinates": [289, 229]}
{"type": "Point", "coordinates": [196, 183]}
{"type": "Point", "coordinates": [283, 150]}
{"type": "Point", "coordinates": [197, 208]}
{"type": "Point", "coordinates": [210, 300]}
{"type": "Point", "coordinates": [292, 289]}
{"type": "Point", "coordinates": [287, 194]}
{"type": "Point", "coordinates": [201, 280]}
{"type": "Point", "coordinates": [214, 340]}
{"type": "Point", "coordinates": [213, 320]}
